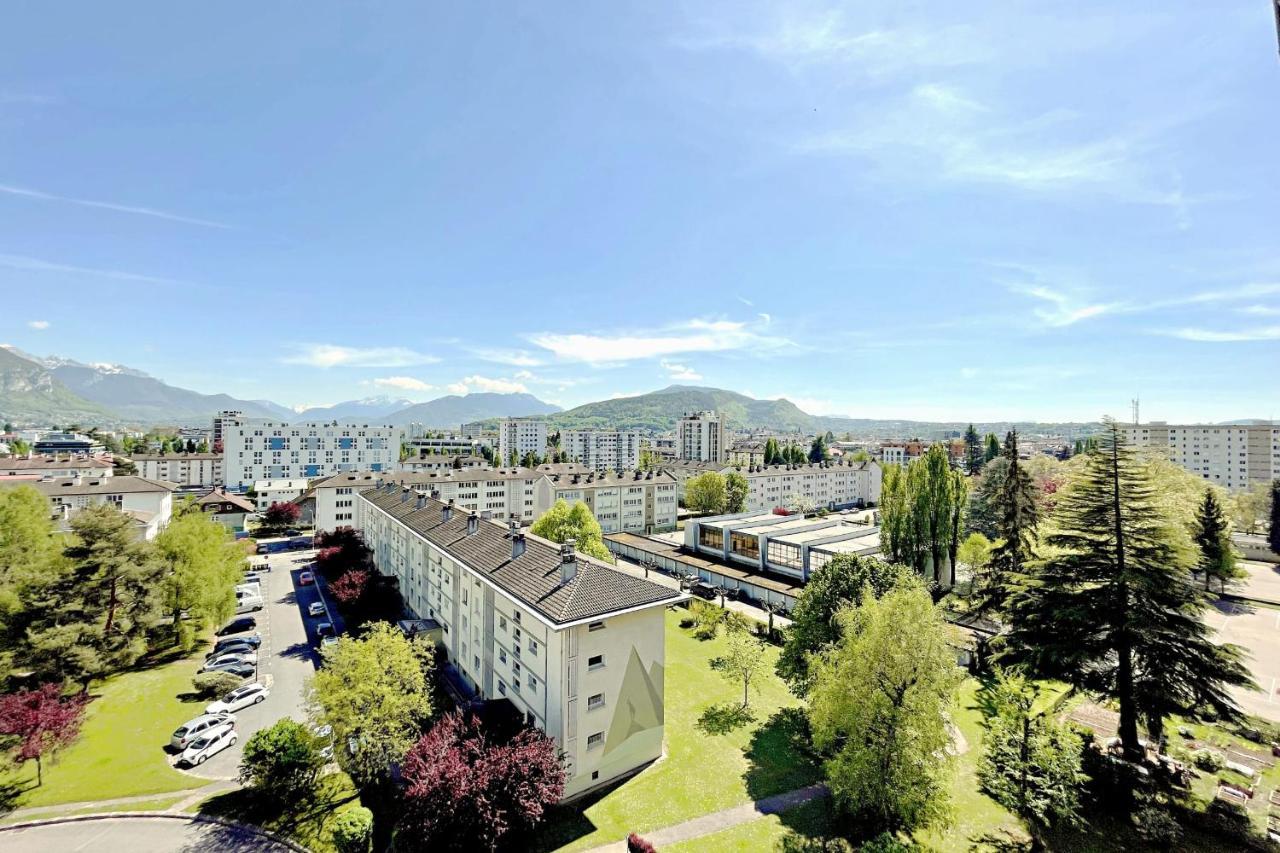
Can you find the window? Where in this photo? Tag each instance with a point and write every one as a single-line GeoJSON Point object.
{"type": "Point", "coordinates": [502, 689]}
{"type": "Point", "coordinates": [595, 740]}
{"type": "Point", "coordinates": [533, 685]}
{"type": "Point", "coordinates": [596, 701]}
{"type": "Point", "coordinates": [595, 626]}
{"type": "Point", "coordinates": [533, 647]}
{"type": "Point", "coordinates": [711, 537]}
{"type": "Point", "coordinates": [595, 661]}
{"type": "Point", "coordinates": [515, 616]}
{"type": "Point", "coordinates": [502, 623]}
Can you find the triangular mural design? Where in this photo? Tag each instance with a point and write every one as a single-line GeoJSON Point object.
{"type": "Point", "coordinates": [639, 705]}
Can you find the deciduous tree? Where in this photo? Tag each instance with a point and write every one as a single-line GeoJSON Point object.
{"type": "Point", "coordinates": [281, 762]}
{"type": "Point", "coordinates": [743, 662]}
{"type": "Point", "coordinates": [736, 489]}
{"type": "Point", "coordinates": [705, 493]}
{"type": "Point", "coordinates": [40, 722]}
{"type": "Point", "coordinates": [202, 565]}
{"type": "Point", "coordinates": [280, 516]}
{"type": "Point", "coordinates": [565, 521]}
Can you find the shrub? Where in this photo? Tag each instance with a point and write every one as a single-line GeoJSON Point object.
{"type": "Point", "coordinates": [215, 683]}
{"type": "Point", "coordinates": [1207, 759]}
{"type": "Point", "coordinates": [1157, 827]}
{"type": "Point", "coordinates": [352, 830]}
{"type": "Point", "coordinates": [281, 762]}
{"type": "Point", "coordinates": [795, 843]}
{"type": "Point", "coordinates": [636, 844]}
{"type": "Point", "coordinates": [886, 842]}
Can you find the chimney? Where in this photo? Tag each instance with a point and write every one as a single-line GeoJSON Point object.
{"type": "Point", "coordinates": [517, 543]}
{"type": "Point", "coordinates": [422, 500]}
{"type": "Point", "coordinates": [568, 562]}
{"type": "Point", "coordinates": [447, 512]}
{"type": "Point", "coordinates": [473, 523]}
{"type": "Point", "coordinates": [404, 494]}
{"type": "Point", "coordinates": [435, 495]}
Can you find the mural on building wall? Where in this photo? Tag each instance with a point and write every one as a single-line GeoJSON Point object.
{"type": "Point", "coordinates": [639, 707]}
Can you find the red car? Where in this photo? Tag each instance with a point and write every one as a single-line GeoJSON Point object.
{"type": "Point", "coordinates": [306, 578]}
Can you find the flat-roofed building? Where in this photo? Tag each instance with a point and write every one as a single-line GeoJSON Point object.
{"type": "Point", "coordinates": [268, 492]}
{"type": "Point", "coordinates": [603, 450]}
{"type": "Point", "coordinates": [840, 484]}
{"type": "Point", "coordinates": [185, 469]}
{"type": "Point", "coordinates": [575, 645]}
{"type": "Point", "coordinates": [785, 545]}
{"type": "Point", "coordinates": [261, 449]}
{"type": "Point", "coordinates": [1234, 456]}
{"type": "Point", "coordinates": [700, 437]}
{"type": "Point", "coordinates": [518, 437]}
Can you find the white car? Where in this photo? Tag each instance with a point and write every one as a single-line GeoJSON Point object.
{"type": "Point", "coordinates": [230, 658]}
{"type": "Point", "coordinates": [210, 743]}
{"type": "Point", "coordinates": [316, 608]}
{"type": "Point", "coordinates": [192, 729]}
{"type": "Point", "coordinates": [241, 697]}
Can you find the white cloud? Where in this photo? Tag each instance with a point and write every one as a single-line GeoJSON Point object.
{"type": "Point", "coordinates": [1063, 309]}
{"type": "Point", "coordinates": [38, 325]}
{"type": "Point", "coordinates": [488, 384]}
{"type": "Point", "coordinates": [680, 372]}
{"type": "Point", "coordinates": [106, 205]}
{"type": "Point", "coordinates": [515, 358]}
{"type": "Point", "coordinates": [1263, 333]}
{"type": "Point", "coordinates": [404, 383]}
{"type": "Point", "coordinates": [691, 336]}
{"type": "Point", "coordinates": [333, 355]}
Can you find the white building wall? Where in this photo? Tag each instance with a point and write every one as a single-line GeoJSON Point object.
{"type": "Point", "coordinates": [602, 450]}
{"type": "Point", "coordinates": [1232, 456]}
{"type": "Point", "coordinates": [270, 450]}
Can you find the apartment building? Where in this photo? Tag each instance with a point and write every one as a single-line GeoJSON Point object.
{"type": "Point", "coordinates": [700, 437]}
{"type": "Point", "coordinates": [603, 450]}
{"type": "Point", "coordinates": [1234, 456]}
{"type": "Point", "coordinates": [185, 469]}
{"type": "Point", "coordinates": [442, 445]}
{"type": "Point", "coordinates": [261, 449]}
{"type": "Point", "coordinates": [220, 421]}
{"type": "Point", "coordinates": [573, 644]}
{"type": "Point", "coordinates": [148, 502]}
{"type": "Point", "coordinates": [627, 502]}
{"type": "Point", "coordinates": [442, 463]}
{"type": "Point", "coordinates": [839, 484]}
{"type": "Point", "coordinates": [54, 443]}
{"type": "Point", "coordinates": [38, 467]}
{"type": "Point", "coordinates": [521, 436]}
{"type": "Point", "coordinates": [282, 491]}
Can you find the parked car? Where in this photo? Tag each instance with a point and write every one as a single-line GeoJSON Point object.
{"type": "Point", "coordinates": [703, 589]}
{"type": "Point", "coordinates": [231, 649]}
{"type": "Point", "coordinates": [324, 629]}
{"type": "Point", "coordinates": [208, 744]}
{"type": "Point", "coordinates": [242, 697]}
{"type": "Point", "coordinates": [316, 608]}
{"type": "Point", "coordinates": [192, 729]}
{"type": "Point", "coordinates": [324, 734]}
{"type": "Point", "coordinates": [254, 639]}
{"type": "Point", "coordinates": [244, 670]}
{"type": "Point", "coordinates": [237, 625]}
{"type": "Point", "coordinates": [325, 642]}
{"type": "Point", "coordinates": [306, 578]}
{"type": "Point", "coordinates": [230, 658]}
{"type": "Point", "coordinates": [262, 549]}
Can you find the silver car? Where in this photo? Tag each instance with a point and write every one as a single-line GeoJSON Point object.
{"type": "Point", "coordinates": [208, 744]}
{"type": "Point", "coordinates": [225, 659]}
{"type": "Point", "coordinates": [192, 729]}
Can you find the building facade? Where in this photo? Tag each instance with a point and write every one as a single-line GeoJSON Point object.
{"type": "Point", "coordinates": [700, 437]}
{"type": "Point", "coordinates": [603, 450]}
{"type": "Point", "coordinates": [53, 443]}
{"type": "Point", "coordinates": [1234, 456]}
{"type": "Point", "coordinates": [574, 645]}
{"type": "Point", "coordinates": [220, 421]}
{"type": "Point", "coordinates": [839, 484]}
{"type": "Point", "coordinates": [185, 469]}
{"type": "Point", "coordinates": [228, 509]}
{"type": "Point", "coordinates": [268, 492]}
{"type": "Point", "coordinates": [521, 436]}
{"type": "Point", "coordinates": [148, 502]}
{"type": "Point", "coordinates": [256, 449]}
{"type": "Point", "coordinates": [631, 502]}
{"type": "Point", "coordinates": [38, 467]}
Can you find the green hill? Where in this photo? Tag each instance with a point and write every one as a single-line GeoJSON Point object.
{"type": "Point", "coordinates": [659, 410]}
{"type": "Point", "coordinates": [29, 394]}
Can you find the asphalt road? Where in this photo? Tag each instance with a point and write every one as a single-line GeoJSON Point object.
{"type": "Point", "coordinates": [1257, 629]}
{"type": "Point", "coordinates": [286, 658]}
{"type": "Point", "coordinates": [136, 835]}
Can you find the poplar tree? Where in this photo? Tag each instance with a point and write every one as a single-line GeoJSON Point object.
{"type": "Point", "coordinates": [1112, 608]}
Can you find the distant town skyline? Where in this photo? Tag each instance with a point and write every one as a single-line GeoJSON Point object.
{"type": "Point", "coordinates": [1026, 214]}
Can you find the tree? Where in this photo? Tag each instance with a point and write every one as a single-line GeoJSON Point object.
{"type": "Point", "coordinates": [920, 512]}
{"type": "Point", "coordinates": [1031, 762]}
{"type": "Point", "coordinates": [352, 830]}
{"type": "Point", "coordinates": [1273, 514]}
{"type": "Point", "coordinates": [340, 550]}
{"type": "Point", "coordinates": [464, 790]}
{"type": "Point", "coordinates": [1249, 507]}
{"type": "Point", "coordinates": [705, 493]}
{"type": "Point", "coordinates": [974, 552]}
{"type": "Point", "coordinates": [202, 447]}
{"type": "Point", "coordinates": [818, 450]}
{"type": "Point", "coordinates": [879, 709]}
{"type": "Point", "coordinates": [18, 447]}
{"type": "Point", "coordinates": [736, 489]}
{"type": "Point", "coordinates": [350, 589]}
{"type": "Point", "coordinates": [1016, 516]}
{"type": "Point", "coordinates": [41, 721]}
{"type": "Point", "coordinates": [771, 455]}
{"type": "Point", "coordinates": [1212, 536]}
{"type": "Point", "coordinates": [281, 763]}
{"type": "Point", "coordinates": [564, 522]}
{"type": "Point", "coordinates": [280, 516]}
{"type": "Point", "coordinates": [202, 565]}
{"type": "Point", "coordinates": [992, 448]}
{"type": "Point", "coordinates": [742, 662]}
{"type": "Point", "coordinates": [191, 445]}
{"type": "Point", "coordinates": [974, 457]}
{"type": "Point", "coordinates": [1111, 608]}
{"type": "Point", "coordinates": [374, 693]}
{"type": "Point", "coordinates": [30, 557]}
{"type": "Point", "coordinates": [839, 584]}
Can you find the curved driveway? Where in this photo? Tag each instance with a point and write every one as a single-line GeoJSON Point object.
{"type": "Point", "coordinates": [138, 835]}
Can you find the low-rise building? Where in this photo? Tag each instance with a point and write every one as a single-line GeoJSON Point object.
{"type": "Point", "coordinates": [148, 502]}
{"type": "Point", "coordinates": [228, 509]}
{"type": "Point", "coordinates": [575, 645]}
{"type": "Point", "coordinates": [794, 546]}
{"type": "Point", "coordinates": [268, 492]}
{"type": "Point", "coordinates": [67, 442]}
{"type": "Point", "coordinates": [185, 469]}
{"type": "Point", "coordinates": [38, 467]}
{"type": "Point", "coordinates": [442, 463]}
{"type": "Point", "coordinates": [442, 445]}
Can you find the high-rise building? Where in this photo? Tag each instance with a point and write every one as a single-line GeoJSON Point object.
{"type": "Point", "coordinates": [255, 449]}
{"type": "Point", "coordinates": [521, 435]}
{"type": "Point", "coordinates": [219, 422]}
{"type": "Point", "coordinates": [603, 450]}
{"type": "Point", "coordinates": [700, 437]}
{"type": "Point", "coordinates": [1234, 456]}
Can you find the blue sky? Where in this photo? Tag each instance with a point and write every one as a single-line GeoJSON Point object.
{"type": "Point", "coordinates": [881, 210]}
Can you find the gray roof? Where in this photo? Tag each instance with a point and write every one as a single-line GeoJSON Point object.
{"type": "Point", "coordinates": [174, 457]}
{"type": "Point", "coordinates": [92, 485]}
{"type": "Point", "coordinates": [595, 479]}
{"type": "Point", "coordinates": [40, 463]}
{"type": "Point", "coordinates": [534, 578]}
{"type": "Point", "coordinates": [217, 496]}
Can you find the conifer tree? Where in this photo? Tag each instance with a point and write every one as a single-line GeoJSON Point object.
{"type": "Point", "coordinates": [992, 448]}
{"type": "Point", "coordinates": [1015, 515]}
{"type": "Point", "coordinates": [1273, 534]}
{"type": "Point", "coordinates": [974, 458]}
{"type": "Point", "coordinates": [1112, 608]}
{"type": "Point", "coordinates": [1213, 537]}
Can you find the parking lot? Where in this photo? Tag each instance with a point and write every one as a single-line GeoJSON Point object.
{"type": "Point", "coordinates": [1257, 630]}
{"type": "Point", "coordinates": [287, 656]}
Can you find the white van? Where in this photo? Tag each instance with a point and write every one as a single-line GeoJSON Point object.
{"type": "Point", "coordinates": [248, 598]}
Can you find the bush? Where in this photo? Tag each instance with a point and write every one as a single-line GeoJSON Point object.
{"type": "Point", "coordinates": [281, 762]}
{"type": "Point", "coordinates": [1157, 827]}
{"type": "Point", "coordinates": [636, 844]}
{"type": "Point", "coordinates": [210, 684]}
{"type": "Point", "coordinates": [795, 843]}
{"type": "Point", "coordinates": [1207, 759]}
{"type": "Point", "coordinates": [352, 830]}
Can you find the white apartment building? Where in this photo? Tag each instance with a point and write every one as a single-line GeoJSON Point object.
{"type": "Point", "coordinates": [185, 469]}
{"type": "Point", "coordinates": [630, 502]}
{"type": "Point", "coordinates": [575, 645]}
{"type": "Point", "coordinates": [148, 502]}
{"type": "Point", "coordinates": [602, 450]}
{"type": "Point", "coordinates": [442, 463]}
{"type": "Point", "coordinates": [700, 437]}
{"type": "Point", "coordinates": [38, 467]}
{"type": "Point", "coordinates": [443, 445]}
{"type": "Point", "coordinates": [1233, 456]}
{"type": "Point", "coordinates": [220, 421]}
{"type": "Point", "coordinates": [271, 450]}
{"type": "Point", "coordinates": [268, 492]}
{"type": "Point", "coordinates": [834, 485]}
{"type": "Point", "coordinates": [521, 435]}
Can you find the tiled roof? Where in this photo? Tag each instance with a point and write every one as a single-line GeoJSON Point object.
{"type": "Point", "coordinates": [220, 496]}
{"type": "Point", "coordinates": [93, 485]}
{"type": "Point", "coordinates": [39, 463]}
{"type": "Point", "coordinates": [534, 577]}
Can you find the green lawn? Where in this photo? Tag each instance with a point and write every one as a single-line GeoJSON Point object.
{"type": "Point", "coordinates": [120, 751]}
{"type": "Point", "coordinates": [811, 819]}
{"type": "Point", "coordinates": [701, 772]}
{"type": "Point", "coordinates": [308, 823]}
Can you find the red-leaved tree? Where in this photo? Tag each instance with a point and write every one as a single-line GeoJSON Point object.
{"type": "Point", "coordinates": [340, 551]}
{"type": "Point", "coordinates": [281, 515]}
{"type": "Point", "coordinates": [41, 721]}
{"type": "Point", "coordinates": [463, 792]}
{"type": "Point", "coordinates": [350, 589]}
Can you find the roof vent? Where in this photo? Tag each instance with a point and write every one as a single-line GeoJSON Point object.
{"type": "Point", "coordinates": [473, 523]}
{"type": "Point", "coordinates": [568, 561]}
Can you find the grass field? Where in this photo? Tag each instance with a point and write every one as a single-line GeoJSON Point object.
{"type": "Point", "coordinates": [308, 823]}
{"type": "Point", "coordinates": [120, 751]}
{"type": "Point", "coordinates": [702, 772]}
